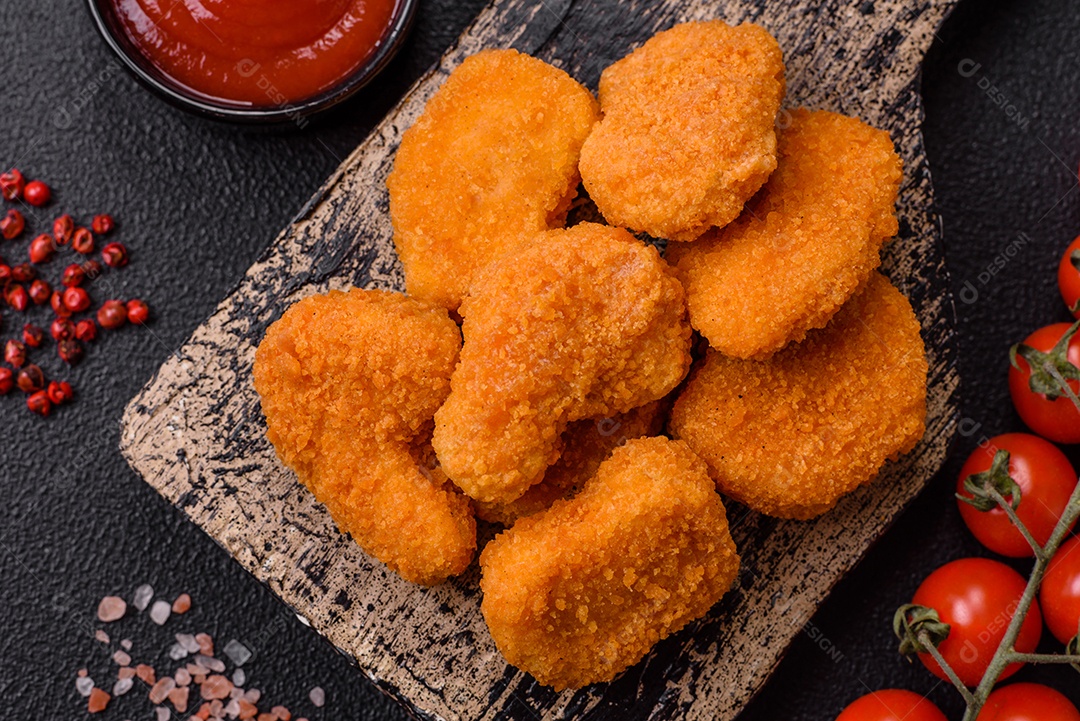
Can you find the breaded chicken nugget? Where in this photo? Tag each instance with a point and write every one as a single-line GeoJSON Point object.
{"type": "Point", "coordinates": [790, 435]}
{"type": "Point", "coordinates": [578, 593]}
{"type": "Point", "coordinates": [688, 130]}
{"type": "Point", "coordinates": [586, 444]}
{"type": "Point", "coordinates": [588, 322]}
{"type": "Point", "coordinates": [493, 156]}
{"type": "Point", "coordinates": [349, 384]}
{"type": "Point", "coordinates": [805, 244]}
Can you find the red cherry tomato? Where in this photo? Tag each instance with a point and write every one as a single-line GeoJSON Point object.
{"type": "Point", "coordinates": [1057, 419]}
{"type": "Point", "coordinates": [1027, 702]}
{"type": "Point", "coordinates": [891, 705]}
{"type": "Point", "coordinates": [977, 597]}
{"type": "Point", "coordinates": [1069, 277]}
{"type": "Point", "coordinates": [1060, 592]}
{"type": "Point", "coordinates": [1046, 480]}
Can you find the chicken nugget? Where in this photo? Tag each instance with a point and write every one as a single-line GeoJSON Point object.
{"type": "Point", "coordinates": [349, 383]}
{"type": "Point", "coordinates": [494, 156]}
{"type": "Point", "coordinates": [790, 435]}
{"type": "Point", "coordinates": [805, 245]}
{"type": "Point", "coordinates": [688, 133]}
{"type": "Point", "coordinates": [586, 444]}
{"type": "Point", "coordinates": [589, 322]}
{"type": "Point", "coordinates": [578, 593]}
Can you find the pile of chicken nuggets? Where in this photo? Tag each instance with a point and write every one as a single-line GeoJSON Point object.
{"type": "Point", "coordinates": [532, 370]}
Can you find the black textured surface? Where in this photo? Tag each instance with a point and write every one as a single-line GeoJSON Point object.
{"type": "Point", "coordinates": [197, 202]}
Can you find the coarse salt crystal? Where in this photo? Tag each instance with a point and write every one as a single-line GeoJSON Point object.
{"type": "Point", "coordinates": [232, 709]}
{"type": "Point", "coordinates": [281, 713]}
{"type": "Point", "coordinates": [237, 652]}
{"type": "Point", "coordinates": [145, 673]}
{"type": "Point", "coordinates": [182, 604]}
{"type": "Point", "coordinates": [253, 695]}
{"type": "Point", "coordinates": [239, 677]}
{"type": "Point", "coordinates": [142, 597]}
{"type": "Point", "coordinates": [206, 644]}
{"type": "Point", "coordinates": [101, 636]}
{"type": "Point", "coordinates": [216, 708]}
{"type": "Point", "coordinates": [83, 672]}
{"type": "Point", "coordinates": [126, 644]}
{"type": "Point", "coordinates": [111, 608]}
{"type": "Point", "coordinates": [122, 686]}
{"type": "Point", "coordinates": [121, 658]}
{"type": "Point", "coordinates": [179, 698]}
{"type": "Point", "coordinates": [214, 664]}
{"type": "Point", "coordinates": [182, 677]}
{"type": "Point", "coordinates": [163, 713]}
{"type": "Point", "coordinates": [317, 696]}
{"type": "Point", "coordinates": [126, 672]}
{"type": "Point", "coordinates": [159, 612]}
{"type": "Point", "coordinates": [177, 652]}
{"type": "Point", "coordinates": [98, 701]}
{"type": "Point", "coordinates": [247, 709]}
{"type": "Point", "coordinates": [161, 690]}
{"type": "Point", "coordinates": [188, 642]}
{"type": "Point", "coordinates": [84, 685]}
{"type": "Point", "coordinates": [215, 687]}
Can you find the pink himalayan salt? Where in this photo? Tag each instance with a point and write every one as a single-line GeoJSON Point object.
{"type": "Point", "coordinates": [111, 608]}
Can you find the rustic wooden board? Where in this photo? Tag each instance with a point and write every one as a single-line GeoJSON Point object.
{"type": "Point", "coordinates": [197, 435]}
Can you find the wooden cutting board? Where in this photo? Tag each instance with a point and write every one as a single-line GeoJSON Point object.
{"type": "Point", "coordinates": [196, 433]}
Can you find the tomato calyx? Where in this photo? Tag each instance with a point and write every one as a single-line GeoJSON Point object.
{"type": "Point", "coordinates": [916, 626]}
{"type": "Point", "coordinates": [1049, 371]}
{"type": "Point", "coordinates": [1074, 258]}
{"type": "Point", "coordinates": [997, 479]}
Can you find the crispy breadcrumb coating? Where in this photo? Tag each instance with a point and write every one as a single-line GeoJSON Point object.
{"type": "Point", "coordinates": [587, 323]}
{"type": "Point", "coordinates": [349, 384]}
{"type": "Point", "coordinates": [494, 156]}
{"type": "Point", "coordinates": [790, 435]}
{"type": "Point", "coordinates": [578, 593]}
{"type": "Point", "coordinates": [688, 134]}
{"type": "Point", "coordinates": [805, 244]}
{"type": "Point", "coordinates": [586, 444]}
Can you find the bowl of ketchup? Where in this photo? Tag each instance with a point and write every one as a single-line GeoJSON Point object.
{"type": "Point", "coordinates": [255, 61]}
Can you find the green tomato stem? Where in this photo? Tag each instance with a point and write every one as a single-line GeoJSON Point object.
{"type": "Point", "coordinates": [1020, 526]}
{"type": "Point", "coordinates": [1006, 652]}
{"type": "Point", "coordinates": [1015, 657]}
{"type": "Point", "coordinates": [928, 644]}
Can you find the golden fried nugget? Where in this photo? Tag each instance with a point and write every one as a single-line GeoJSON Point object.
{"type": "Point", "coordinates": [349, 384]}
{"type": "Point", "coordinates": [578, 593]}
{"type": "Point", "coordinates": [494, 156]}
{"type": "Point", "coordinates": [589, 322]}
{"type": "Point", "coordinates": [805, 244]}
{"type": "Point", "coordinates": [790, 435]}
{"type": "Point", "coordinates": [586, 444]}
{"type": "Point", "coordinates": [688, 133]}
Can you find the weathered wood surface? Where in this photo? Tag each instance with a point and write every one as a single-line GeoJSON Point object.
{"type": "Point", "coordinates": [196, 433]}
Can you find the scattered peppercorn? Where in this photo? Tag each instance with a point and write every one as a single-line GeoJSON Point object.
{"type": "Point", "coordinates": [30, 379]}
{"type": "Point", "coordinates": [76, 299]}
{"type": "Point", "coordinates": [92, 269]}
{"type": "Point", "coordinates": [12, 184]}
{"type": "Point", "coordinates": [40, 292]}
{"type": "Point", "coordinates": [62, 329]}
{"type": "Point", "coordinates": [60, 392]}
{"type": "Point", "coordinates": [24, 272]}
{"type": "Point", "coordinates": [32, 336]}
{"type": "Point", "coordinates": [36, 193]}
{"type": "Point", "coordinates": [82, 241]}
{"type": "Point", "coordinates": [112, 314]}
{"type": "Point", "coordinates": [7, 381]}
{"type": "Point", "coordinates": [137, 312]}
{"type": "Point", "coordinates": [15, 353]}
{"type": "Point", "coordinates": [57, 302]}
{"type": "Point", "coordinates": [114, 255]}
{"type": "Point", "coordinates": [5, 272]}
{"type": "Point", "coordinates": [42, 249]}
{"type": "Point", "coordinates": [39, 403]}
{"type": "Point", "coordinates": [103, 224]}
{"type": "Point", "coordinates": [86, 330]}
{"type": "Point", "coordinates": [63, 228]}
{"type": "Point", "coordinates": [16, 297]}
{"type": "Point", "coordinates": [73, 275]}
{"type": "Point", "coordinates": [12, 224]}
{"type": "Point", "coordinates": [71, 351]}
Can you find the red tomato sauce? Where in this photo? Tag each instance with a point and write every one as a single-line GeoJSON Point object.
{"type": "Point", "coordinates": [256, 52]}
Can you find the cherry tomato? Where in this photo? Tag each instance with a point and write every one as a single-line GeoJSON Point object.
{"type": "Point", "coordinates": [977, 598]}
{"type": "Point", "coordinates": [891, 704]}
{"type": "Point", "coordinates": [1027, 702]}
{"type": "Point", "coordinates": [1069, 277]}
{"type": "Point", "coordinates": [1046, 480]}
{"type": "Point", "coordinates": [1057, 419]}
{"type": "Point", "coordinates": [1060, 592]}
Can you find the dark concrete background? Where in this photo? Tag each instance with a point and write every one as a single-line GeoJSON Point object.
{"type": "Point", "coordinates": [197, 202]}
